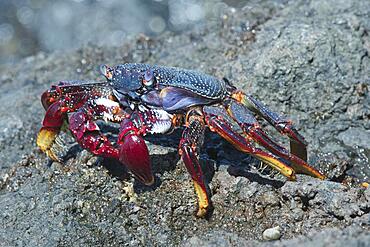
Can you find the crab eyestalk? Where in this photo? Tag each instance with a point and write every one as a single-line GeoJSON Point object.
{"type": "Point", "coordinates": [50, 96]}
{"type": "Point", "coordinates": [106, 71]}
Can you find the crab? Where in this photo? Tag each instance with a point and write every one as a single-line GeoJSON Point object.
{"type": "Point", "coordinates": [150, 99]}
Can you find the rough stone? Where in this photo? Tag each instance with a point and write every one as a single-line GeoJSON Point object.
{"type": "Point", "coordinates": [272, 233]}
{"type": "Point", "coordinates": [305, 59]}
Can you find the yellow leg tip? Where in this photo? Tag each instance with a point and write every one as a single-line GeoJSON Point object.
{"type": "Point", "coordinates": [279, 166]}
{"type": "Point", "coordinates": [202, 212]}
{"type": "Point", "coordinates": [365, 185]}
{"type": "Point", "coordinates": [203, 202]}
{"type": "Point", "coordinates": [45, 140]}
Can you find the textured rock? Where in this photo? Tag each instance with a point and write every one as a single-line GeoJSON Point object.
{"type": "Point", "coordinates": [305, 59]}
{"type": "Point", "coordinates": [272, 233]}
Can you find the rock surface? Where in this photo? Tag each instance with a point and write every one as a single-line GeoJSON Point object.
{"type": "Point", "coordinates": [306, 59]}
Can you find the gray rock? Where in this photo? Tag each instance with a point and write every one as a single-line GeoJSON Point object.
{"type": "Point", "coordinates": [306, 59]}
{"type": "Point", "coordinates": [272, 233]}
{"type": "Point", "coordinates": [356, 137]}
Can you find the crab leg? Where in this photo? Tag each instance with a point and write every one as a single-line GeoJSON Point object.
{"type": "Point", "coordinates": [250, 126]}
{"type": "Point", "coordinates": [192, 139]}
{"type": "Point", "coordinates": [218, 120]}
{"type": "Point", "coordinates": [297, 142]}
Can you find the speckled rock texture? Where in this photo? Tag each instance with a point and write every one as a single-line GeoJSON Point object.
{"type": "Point", "coordinates": [305, 59]}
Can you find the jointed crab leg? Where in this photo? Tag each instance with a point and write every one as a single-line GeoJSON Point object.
{"type": "Point", "coordinates": [250, 126]}
{"type": "Point", "coordinates": [218, 120]}
{"type": "Point", "coordinates": [297, 142]}
{"type": "Point", "coordinates": [192, 139]}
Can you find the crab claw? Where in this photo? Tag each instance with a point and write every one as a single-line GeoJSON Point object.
{"type": "Point", "coordinates": [134, 154]}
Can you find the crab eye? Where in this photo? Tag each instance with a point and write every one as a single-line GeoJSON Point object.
{"type": "Point", "coordinates": [106, 71]}
{"type": "Point", "coordinates": [148, 78]}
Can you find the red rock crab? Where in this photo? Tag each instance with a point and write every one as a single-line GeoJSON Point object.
{"type": "Point", "coordinates": [147, 99]}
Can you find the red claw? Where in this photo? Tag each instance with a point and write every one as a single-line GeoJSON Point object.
{"type": "Point", "coordinates": [53, 116]}
{"type": "Point", "coordinates": [135, 155]}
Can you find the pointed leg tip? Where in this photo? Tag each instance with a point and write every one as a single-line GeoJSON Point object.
{"type": "Point", "coordinates": [301, 167]}
{"type": "Point", "coordinates": [53, 156]}
{"type": "Point", "coordinates": [316, 173]}
{"type": "Point", "coordinates": [204, 211]}
{"type": "Point", "coordinates": [147, 179]}
{"type": "Point", "coordinates": [293, 178]}
{"type": "Point", "coordinates": [45, 140]}
{"type": "Point", "coordinates": [150, 181]}
{"type": "Point", "coordinates": [321, 176]}
{"type": "Point", "coordinates": [203, 201]}
{"type": "Point", "coordinates": [201, 212]}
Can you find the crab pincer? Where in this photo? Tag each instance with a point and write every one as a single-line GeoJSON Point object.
{"type": "Point", "coordinates": [133, 152]}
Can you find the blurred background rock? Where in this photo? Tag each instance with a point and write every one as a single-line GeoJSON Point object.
{"type": "Point", "coordinates": [30, 26]}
